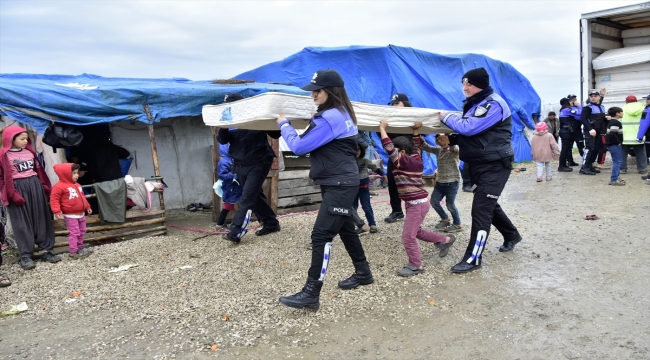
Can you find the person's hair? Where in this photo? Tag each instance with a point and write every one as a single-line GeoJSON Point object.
{"type": "Point", "coordinates": [407, 103]}
{"type": "Point", "coordinates": [337, 98]}
{"type": "Point", "coordinates": [17, 135]}
{"type": "Point", "coordinates": [76, 167]}
{"type": "Point", "coordinates": [362, 152]}
{"type": "Point", "coordinates": [552, 113]}
{"type": "Point", "coordinates": [614, 110]}
{"type": "Point", "coordinates": [567, 105]}
{"type": "Point", "coordinates": [404, 143]}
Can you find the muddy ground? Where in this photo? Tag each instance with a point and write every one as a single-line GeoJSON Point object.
{"type": "Point", "coordinates": [572, 289]}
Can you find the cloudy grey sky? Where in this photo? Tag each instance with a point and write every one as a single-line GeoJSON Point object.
{"type": "Point", "coordinates": [203, 40]}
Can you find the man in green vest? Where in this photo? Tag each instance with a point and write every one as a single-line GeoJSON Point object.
{"type": "Point", "coordinates": [631, 122]}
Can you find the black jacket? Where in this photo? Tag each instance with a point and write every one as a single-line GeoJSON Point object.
{"type": "Point", "coordinates": [248, 147]}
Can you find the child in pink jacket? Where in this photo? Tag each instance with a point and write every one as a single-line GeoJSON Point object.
{"type": "Point", "coordinates": [544, 150]}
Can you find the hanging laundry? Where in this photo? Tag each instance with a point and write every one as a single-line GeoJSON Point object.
{"type": "Point", "coordinates": [111, 196]}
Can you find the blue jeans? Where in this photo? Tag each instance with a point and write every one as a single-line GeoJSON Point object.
{"type": "Point", "coordinates": [447, 191]}
{"type": "Point", "coordinates": [364, 197]}
{"type": "Point", "coordinates": [616, 151]}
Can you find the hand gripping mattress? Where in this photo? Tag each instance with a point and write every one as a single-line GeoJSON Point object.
{"type": "Point", "coordinates": [259, 113]}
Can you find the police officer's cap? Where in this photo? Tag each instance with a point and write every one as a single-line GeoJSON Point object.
{"type": "Point", "coordinates": [594, 92]}
{"type": "Point", "coordinates": [571, 96]}
{"type": "Point", "coordinates": [324, 78]}
{"type": "Point", "coordinates": [232, 97]}
{"type": "Point", "coordinates": [397, 98]}
{"type": "Point", "coordinates": [478, 77]}
{"type": "Point", "coordinates": [646, 97]}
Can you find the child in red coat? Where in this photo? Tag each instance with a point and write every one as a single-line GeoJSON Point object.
{"type": "Point", "coordinates": [68, 202]}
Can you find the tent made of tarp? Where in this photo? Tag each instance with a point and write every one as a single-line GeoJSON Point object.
{"type": "Point", "coordinates": [86, 99]}
{"type": "Point", "coordinates": [374, 74]}
{"type": "Point", "coordinates": [184, 143]}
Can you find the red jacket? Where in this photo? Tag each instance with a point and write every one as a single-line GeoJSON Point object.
{"type": "Point", "coordinates": [7, 189]}
{"type": "Point", "coordinates": [67, 196]}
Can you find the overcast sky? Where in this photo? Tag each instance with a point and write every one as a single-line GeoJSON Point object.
{"type": "Point", "coordinates": [203, 40]}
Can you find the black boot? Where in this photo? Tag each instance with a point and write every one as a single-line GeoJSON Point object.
{"type": "Point", "coordinates": [362, 276]}
{"type": "Point", "coordinates": [564, 169]}
{"type": "Point", "coordinates": [307, 298]}
{"type": "Point", "coordinates": [586, 171]}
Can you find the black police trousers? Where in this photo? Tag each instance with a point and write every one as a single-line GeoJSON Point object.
{"type": "Point", "coordinates": [580, 141]}
{"type": "Point", "coordinates": [395, 201]}
{"type": "Point", "coordinates": [489, 178]}
{"type": "Point", "coordinates": [567, 147]}
{"type": "Point", "coordinates": [251, 178]}
{"type": "Point", "coordinates": [590, 150]}
{"type": "Point", "coordinates": [334, 218]}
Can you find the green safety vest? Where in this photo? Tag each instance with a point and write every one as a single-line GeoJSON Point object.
{"type": "Point", "coordinates": [631, 122]}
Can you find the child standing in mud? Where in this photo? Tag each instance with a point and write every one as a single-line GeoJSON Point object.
{"type": "Point", "coordinates": [544, 149]}
{"type": "Point", "coordinates": [406, 156]}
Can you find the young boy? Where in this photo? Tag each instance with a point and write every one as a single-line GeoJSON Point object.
{"type": "Point", "coordinates": [68, 202]}
{"type": "Point", "coordinates": [406, 156]}
{"type": "Point", "coordinates": [613, 140]}
{"type": "Point", "coordinates": [447, 184]}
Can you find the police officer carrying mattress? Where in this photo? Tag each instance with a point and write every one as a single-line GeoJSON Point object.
{"type": "Point", "coordinates": [252, 158]}
{"type": "Point", "coordinates": [485, 132]}
{"type": "Point", "coordinates": [331, 141]}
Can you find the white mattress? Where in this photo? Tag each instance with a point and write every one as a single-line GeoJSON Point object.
{"type": "Point", "coordinates": [259, 113]}
{"type": "Point", "coordinates": [622, 57]}
{"type": "Point", "coordinates": [638, 32]}
{"type": "Point", "coordinates": [643, 40]}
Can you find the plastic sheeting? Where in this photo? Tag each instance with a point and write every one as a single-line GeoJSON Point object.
{"type": "Point", "coordinates": [89, 99]}
{"type": "Point", "coordinates": [374, 74]}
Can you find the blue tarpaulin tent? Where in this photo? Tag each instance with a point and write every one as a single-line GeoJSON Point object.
{"type": "Point", "coordinates": [374, 74]}
{"type": "Point", "coordinates": [89, 99]}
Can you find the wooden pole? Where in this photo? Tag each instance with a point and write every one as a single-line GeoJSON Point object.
{"type": "Point", "coordinates": [154, 154]}
{"type": "Point", "coordinates": [273, 198]}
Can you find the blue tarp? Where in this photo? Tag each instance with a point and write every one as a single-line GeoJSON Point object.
{"type": "Point", "coordinates": [374, 74]}
{"type": "Point", "coordinates": [89, 99]}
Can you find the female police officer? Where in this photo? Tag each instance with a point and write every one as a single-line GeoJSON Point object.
{"type": "Point", "coordinates": [331, 140]}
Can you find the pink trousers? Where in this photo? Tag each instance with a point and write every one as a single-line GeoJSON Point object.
{"type": "Point", "coordinates": [77, 229]}
{"type": "Point", "coordinates": [415, 215]}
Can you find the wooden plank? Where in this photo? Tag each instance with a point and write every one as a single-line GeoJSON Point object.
{"type": "Point", "coordinates": [115, 227]}
{"type": "Point", "coordinates": [299, 162]}
{"type": "Point", "coordinates": [299, 200]}
{"type": "Point", "coordinates": [312, 189]}
{"type": "Point", "coordinates": [293, 174]}
{"type": "Point", "coordinates": [94, 219]}
{"type": "Point", "coordinates": [298, 209]}
{"type": "Point", "coordinates": [288, 184]}
{"type": "Point", "coordinates": [154, 154]}
{"type": "Point", "coordinates": [160, 230]}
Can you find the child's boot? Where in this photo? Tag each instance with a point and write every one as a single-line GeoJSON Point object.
{"type": "Point", "coordinates": [361, 276]}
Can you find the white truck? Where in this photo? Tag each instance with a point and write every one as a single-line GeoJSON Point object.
{"type": "Point", "coordinates": [615, 53]}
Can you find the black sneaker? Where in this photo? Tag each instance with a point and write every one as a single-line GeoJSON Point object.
{"type": "Point", "coordinates": [394, 217]}
{"type": "Point", "coordinates": [564, 169]}
{"type": "Point", "coordinates": [594, 170]}
{"type": "Point", "coordinates": [645, 177]}
{"type": "Point", "coordinates": [574, 164]}
{"type": "Point", "coordinates": [361, 231]}
{"type": "Point", "coordinates": [191, 207]}
{"type": "Point", "coordinates": [310, 246]}
{"type": "Point", "coordinates": [49, 257]}
{"type": "Point", "coordinates": [27, 263]}
{"type": "Point", "coordinates": [467, 188]}
{"type": "Point", "coordinates": [199, 207]}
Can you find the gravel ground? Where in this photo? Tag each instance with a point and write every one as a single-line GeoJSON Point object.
{"type": "Point", "coordinates": [571, 289]}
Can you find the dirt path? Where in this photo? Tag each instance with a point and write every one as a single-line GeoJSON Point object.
{"type": "Point", "coordinates": [573, 289]}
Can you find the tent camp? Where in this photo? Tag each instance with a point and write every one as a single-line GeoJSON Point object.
{"type": "Point", "coordinates": [374, 74]}
{"type": "Point", "coordinates": [174, 114]}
